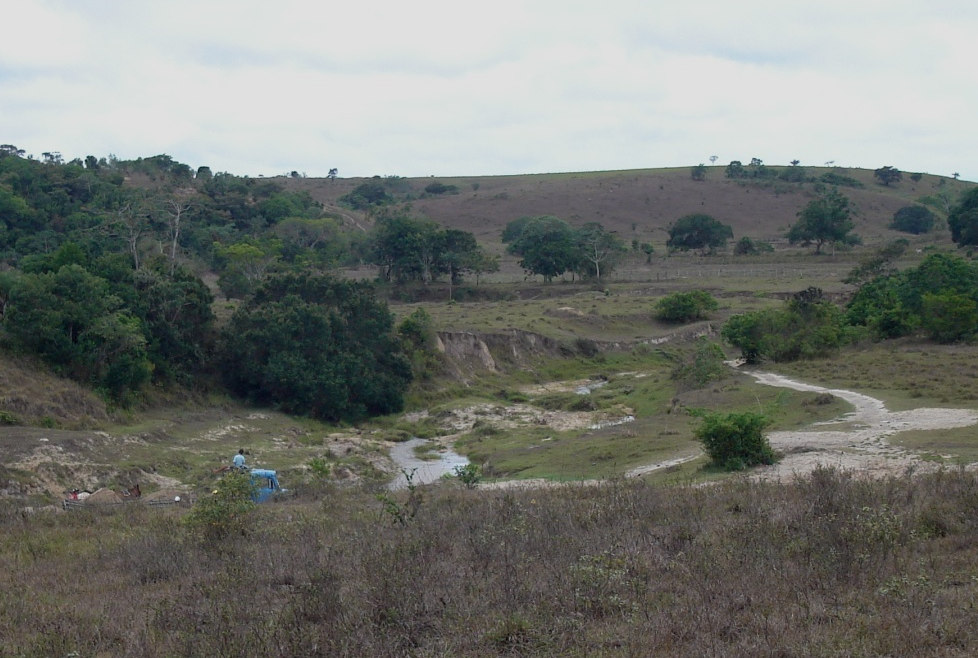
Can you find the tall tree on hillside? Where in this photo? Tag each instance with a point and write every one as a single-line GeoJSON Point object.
{"type": "Point", "coordinates": [825, 219]}
{"type": "Point", "coordinates": [405, 247]}
{"type": "Point", "coordinates": [457, 251]}
{"type": "Point", "coordinates": [173, 209]}
{"type": "Point", "coordinates": [887, 175]}
{"type": "Point", "coordinates": [698, 231]}
{"type": "Point", "coordinates": [546, 245]}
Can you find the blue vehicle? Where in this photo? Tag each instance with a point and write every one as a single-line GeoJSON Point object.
{"type": "Point", "coordinates": [266, 485]}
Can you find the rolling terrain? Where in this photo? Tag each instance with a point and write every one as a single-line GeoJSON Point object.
{"type": "Point", "coordinates": [547, 387]}
{"type": "Point", "coordinates": [509, 330]}
{"type": "Point", "coordinates": [639, 204]}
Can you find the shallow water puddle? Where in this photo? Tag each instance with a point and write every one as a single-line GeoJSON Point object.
{"type": "Point", "coordinates": [425, 471]}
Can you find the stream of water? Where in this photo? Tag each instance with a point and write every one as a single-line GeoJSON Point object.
{"type": "Point", "coordinates": [425, 471]}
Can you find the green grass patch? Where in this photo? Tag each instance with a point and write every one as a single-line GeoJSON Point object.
{"type": "Point", "coordinates": [951, 446]}
{"type": "Point", "coordinates": [904, 374]}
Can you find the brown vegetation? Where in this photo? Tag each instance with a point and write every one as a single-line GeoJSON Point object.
{"type": "Point", "coordinates": [827, 565]}
{"type": "Point", "coordinates": [637, 204]}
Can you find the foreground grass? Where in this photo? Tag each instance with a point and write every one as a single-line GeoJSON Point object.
{"type": "Point", "coordinates": [827, 565]}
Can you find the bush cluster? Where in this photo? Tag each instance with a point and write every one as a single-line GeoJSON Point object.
{"type": "Point", "coordinates": [735, 441]}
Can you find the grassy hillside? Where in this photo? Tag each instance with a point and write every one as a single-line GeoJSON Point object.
{"type": "Point", "coordinates": [641, 204]}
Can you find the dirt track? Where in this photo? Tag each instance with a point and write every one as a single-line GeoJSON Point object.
{"type": "Point", "coordinates": [856, 441]}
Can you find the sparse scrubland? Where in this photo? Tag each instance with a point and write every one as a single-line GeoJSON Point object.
{"type": "Point", "coordinates": [583, 390]}
{"type": "Point", "coordinates": [826, 565]}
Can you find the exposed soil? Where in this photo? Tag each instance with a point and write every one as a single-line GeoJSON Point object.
{"type": "Point", "coordinates": [856, 441]}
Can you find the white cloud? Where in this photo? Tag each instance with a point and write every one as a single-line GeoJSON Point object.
{"type": "Point", "coordinates": [427, 88]}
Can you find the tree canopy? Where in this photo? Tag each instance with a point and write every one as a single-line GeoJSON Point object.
{"type": "Point", "coordinates": [546, 245]}
{"type": "Point", "coordinates": [315, 345]}
{"type": "Point", "coordinates": [698, 231]}
{"type": "Point", "coordinates": [963, 219]}
{"type": "Point", "coordinates": [550, 247]}
{"type": "Point", "coordinates": [937, 296]}
{"type": "Point", "coordinates": [914, 219]}
{"type": "Point", "coordinates": [887, 175]}
{"type": "Point", "coordinates": [826, 219]}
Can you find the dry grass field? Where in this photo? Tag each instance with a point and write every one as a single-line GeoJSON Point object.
{"type": "Point", "coordinates": [830, 565]}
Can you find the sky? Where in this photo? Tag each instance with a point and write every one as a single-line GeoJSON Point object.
{"type": "Point", "coordinates": [439, 88]}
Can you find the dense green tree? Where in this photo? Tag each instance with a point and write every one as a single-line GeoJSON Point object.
{"type": "Point", "coordinates": [948, 316]}
{"type": "Point", "coordinates": [71, 320]}
{"type": "Point", "coordinates": [405, 247]}
{"type": "Point", "coordinates": [457, 254]}
{"type": "Point", "coordinates": [826, 219]}
{"type": "Point", "coordinates": [698, 173]}
{"type": "Point", "coordinates": [886, 175]}
{"type": "Point", "coordinates": [318, 242]}
{"type": "Point", "coordinates": [311, 344]}
{"type": "Point", "coordinates": [932, 296]}
{"type": "Point", "coordinates": [546, 245]}
{"type": "Point", "coordinates": [367, 195]}
{"type": "Point", "coordinates": [175, 310]}
{"type": "Point", "coordinates": [698, 231]}
{"type": "Point", "coordinates": [735, 169]}
{"type": "Point", "coordinates": [913, 219]}
{"type": "Point", "coordinates": [963, 219]}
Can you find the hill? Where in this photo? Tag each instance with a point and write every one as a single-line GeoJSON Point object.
{"type": "Point", "coordinates": [640, 204]}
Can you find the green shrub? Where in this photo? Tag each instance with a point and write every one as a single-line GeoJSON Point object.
{"type": "Point", "coordinates": [685, 306]}
{"type": "Point", "coordinates": [806, 327]}
{"type": "Point", "coordinates": [747, 247]}
{"type": "Point", "coordinates": [833, 178]}
{"type": "Point", "coordinates": [226, 511]}
{"type": "Point", "coordinates": [469, 475]}
{"type": "Point", "coordinates": [735, 441]}
{"type": "Point", "coordinates": [703, 365]}
{"type": "Point", "coordinates": [441, 188]}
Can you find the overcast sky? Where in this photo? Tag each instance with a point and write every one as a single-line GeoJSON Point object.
{"type": "Point", "coordinates": [423, 87]}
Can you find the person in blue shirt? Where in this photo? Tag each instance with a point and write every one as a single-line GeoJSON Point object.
{"type": "Point", "coordinates": [239, 460]}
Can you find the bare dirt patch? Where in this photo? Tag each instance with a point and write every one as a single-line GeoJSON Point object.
{"type": "Point", "coordinates": [856, 441]}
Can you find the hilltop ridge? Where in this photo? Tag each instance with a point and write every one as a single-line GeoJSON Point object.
{"type": "Point", "coordinates": [640, 204]}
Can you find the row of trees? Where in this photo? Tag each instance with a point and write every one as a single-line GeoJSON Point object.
{"type": "Point", "coordinates": [418, 249]}
{"type": "Point", "coordinates": [938, 298]}
{"type": "Point", "coordinates": [824, 220]}
{"type": "Point", "coordinates": [306, 343]}
{"type": "Point", "coordinates": [827, 220]}
{"type": "Point", "coordinates": [550, 247]}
